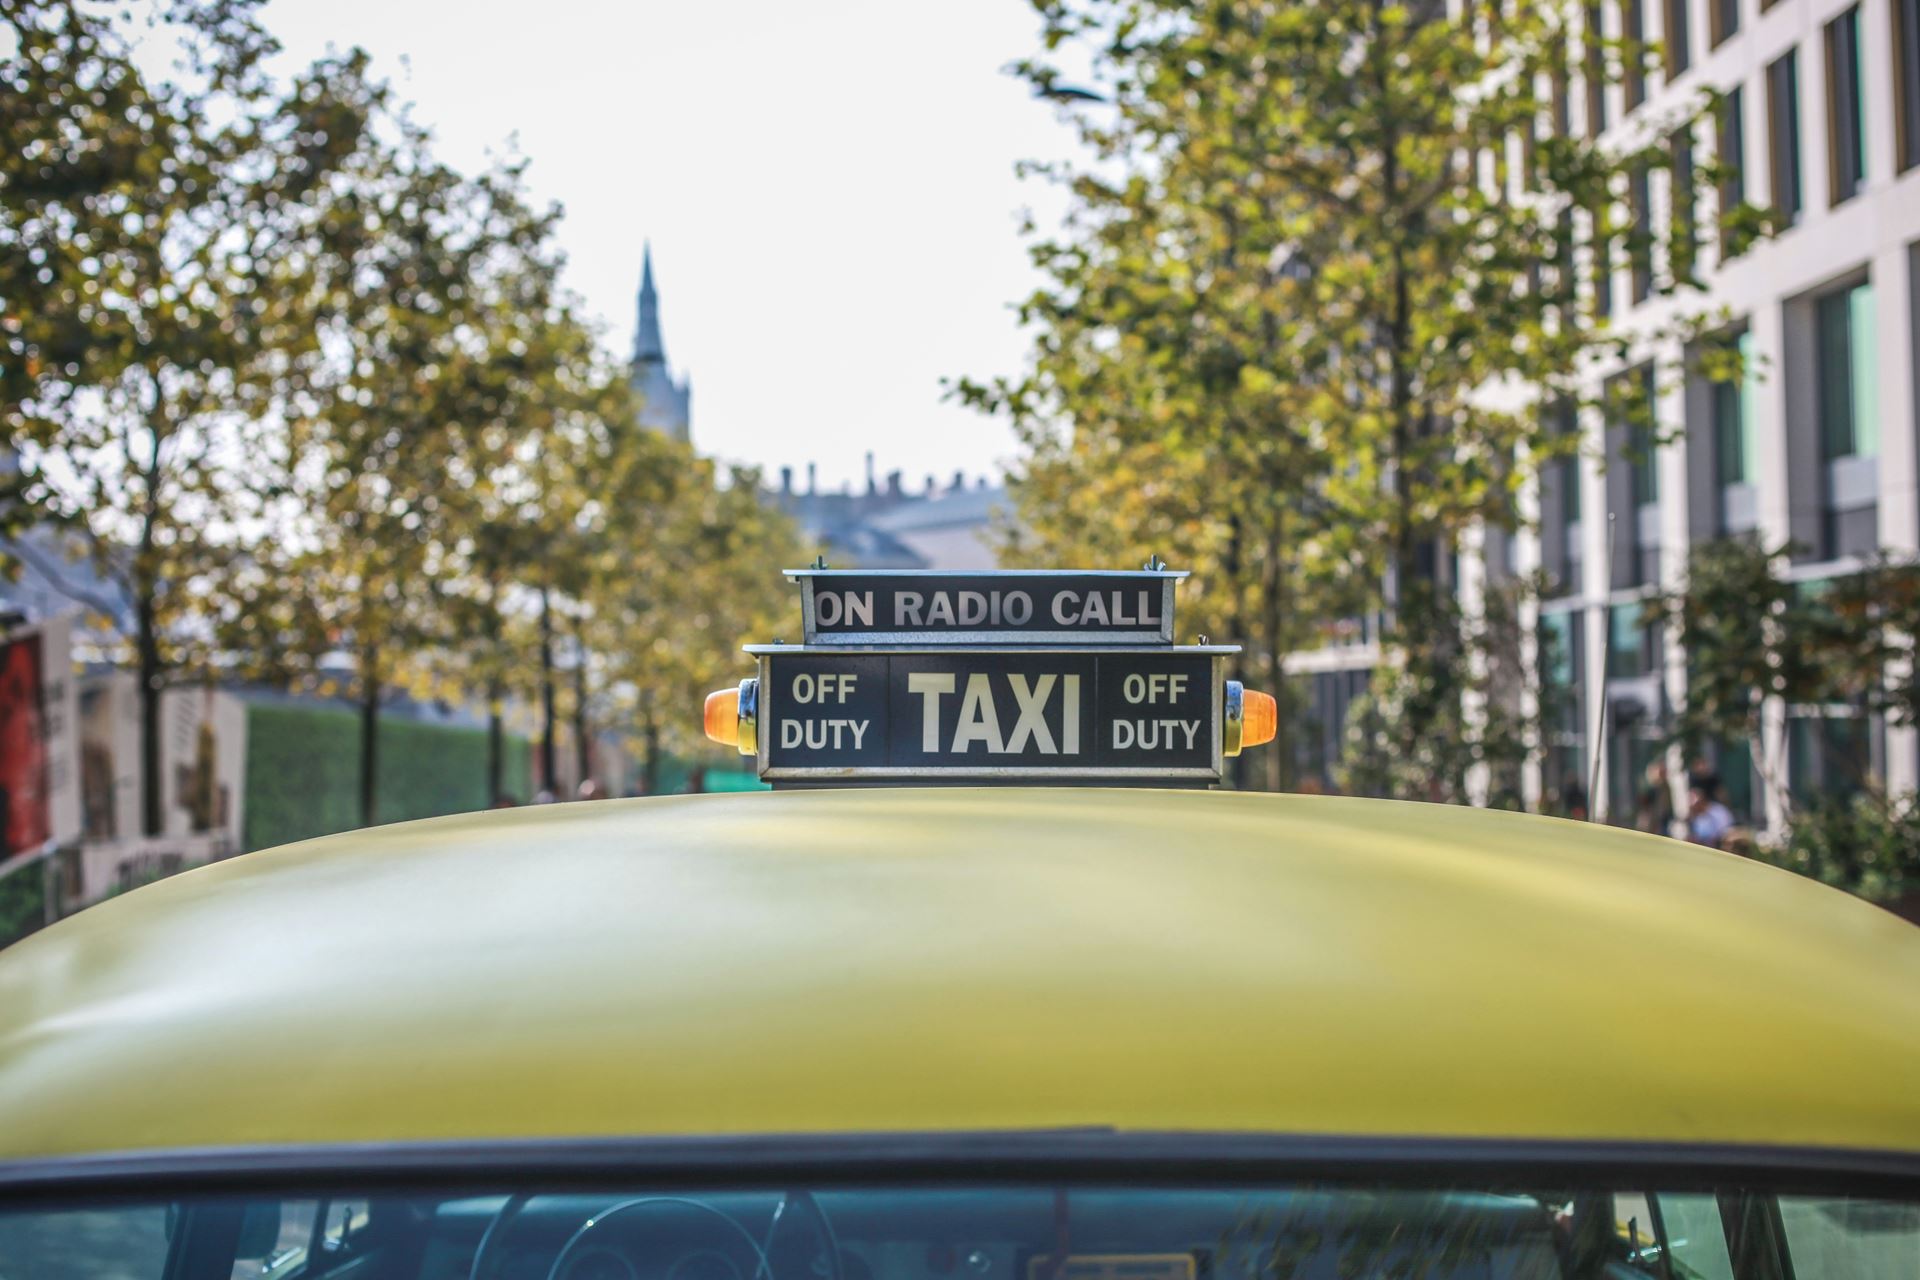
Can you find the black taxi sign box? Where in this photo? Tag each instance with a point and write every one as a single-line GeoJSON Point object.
{"type": "Point", "coordinates": [989, 713]}
{"type": "Point", "coordinates": [1088, 606]}
{"type": "Point", "coordinates": [1061, 676]}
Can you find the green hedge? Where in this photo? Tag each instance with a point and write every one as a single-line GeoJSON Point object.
{"type": "Point", "coordinates": [23, 901]}
{"type": "Point", "coordinates": [303, 771]}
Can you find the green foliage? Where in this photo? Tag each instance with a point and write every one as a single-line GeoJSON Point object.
{"type": "Point", "coordinates": [1868, 844]}
{"type": "Point", "coordinates": [23, 902]}
{"type": "Point", "coordinates": [307, 396]}
{"type": "Point", "coordinates": [1299, 325]}
{"type": "Point", "coordinates": [1750, 635]}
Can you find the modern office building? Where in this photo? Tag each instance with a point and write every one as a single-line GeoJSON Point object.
{"type": "Point", "coordinates": [1821, 122]}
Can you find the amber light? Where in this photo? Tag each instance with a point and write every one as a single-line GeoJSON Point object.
{"type": "Point", "coordinates": [1259, 718]}
{"type": "Point", "coordinates": [723, 716]}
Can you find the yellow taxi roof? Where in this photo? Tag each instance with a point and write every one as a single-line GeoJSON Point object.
{"type": "Point", "coordinates": [962, 960]}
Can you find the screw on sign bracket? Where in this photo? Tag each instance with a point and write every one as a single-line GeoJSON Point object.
{"type": "Point", "coordinates": [1154, 564]}
{"type": "Point", "coordinates": [820, 562]}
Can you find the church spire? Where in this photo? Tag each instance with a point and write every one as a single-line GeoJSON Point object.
{"type": "Point", "coordinates": [648, 348]}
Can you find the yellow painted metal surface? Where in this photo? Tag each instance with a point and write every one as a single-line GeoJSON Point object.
{"type": "Point", "coordinates": [961, 960]}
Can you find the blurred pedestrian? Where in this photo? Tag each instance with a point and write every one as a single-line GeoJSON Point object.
{"type": "Point", "coordinates": [588, 790]}
{"type": "Point", "coordinates": [1653, 806]}
{"type": "Point", "coordinates": [504, 801]}
{"type": "Point", "coordinates": [1573, 799]}
{"type": "Point", "coordinates": [1708, 821]}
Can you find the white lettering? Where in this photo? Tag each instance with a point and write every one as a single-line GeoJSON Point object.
{"type": "Point", "coordinates": [1095, 606]}
{"type": "Point", "coordinates": [803, 688]}
{"type": "Point", "coordinates": [1153, 735]}
{"type": "Point", "coordinates": [1032, 722]}
{"type": "Point", "coordinates": [1063, 608]}
{"type": "Point", "coordinates": [1070, 718]}
{"type": "Point", "coordinates": [859, 732]}
{"type": "Point", "coordinates": [826, 608]}
{"type": "Point", "coordinates": [973, 608]}
{"type": "Point", "coordinates": [1134, 687]}
{"type": "Point", "coordinates": [789, 733]}
{"type": "Point", "coordinates": [906, 609]}
{"type": "Point", "coordinates": [859, 608]}
{"type": "Point", "coordinates": [1019, 607]}
{"type": "Point", "coordinates": [930, 685]}
{"type": "Point", "coordinates": [979, 722]}
{"type": "Point", "coordinates": [940, 611]}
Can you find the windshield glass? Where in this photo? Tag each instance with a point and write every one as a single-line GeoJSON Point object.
{"type": "Point", "coordinates": [978, 1233]}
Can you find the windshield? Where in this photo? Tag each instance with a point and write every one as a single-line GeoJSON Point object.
{"type": "Point", "coordinates": [972, 1233]}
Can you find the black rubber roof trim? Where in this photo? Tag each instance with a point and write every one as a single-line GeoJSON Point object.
{"type": "Point", "coordinates": [1059, 1155]}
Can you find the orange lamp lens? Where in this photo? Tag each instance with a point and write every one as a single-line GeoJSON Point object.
{"type": "Point", "coordinates": [1260, 718]}
{"type": "Point", "coordinates": [723, 716]}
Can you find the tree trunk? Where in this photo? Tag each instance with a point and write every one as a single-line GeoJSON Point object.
{"type": "Point", "coordinates": [496, 743]}
{"type": "Point", "coordinates": [153, 815]}
{"type": "Point", "coordinates": [650, 768]}
{"type": "Point", "coordinates": [546, 694]}
{"type": "Point", "coordinates": [369, 733]}
{"type": "Point", "coordinates": [1233, 565]}
{"type": "Point", "coordinates": [583, 752]}
{"type": "Point", "coordinates": [1274, 619]}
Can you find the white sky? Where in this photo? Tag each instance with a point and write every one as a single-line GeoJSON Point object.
{"type": "Point", "coordinates": [828, 186]}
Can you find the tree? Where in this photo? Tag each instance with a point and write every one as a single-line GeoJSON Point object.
{"type": "Point", "coordinates": [1332, 248]}
{"type": "Point", "coordinates": [1751, 636]}
{"type": "Point", "coordinates": [686, 583]}
{"type": "Point", "coordinates": [400, 423]}
{"type": "Point", "coordinates": [155, 285]}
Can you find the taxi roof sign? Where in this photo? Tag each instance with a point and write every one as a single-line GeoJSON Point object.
{"type": "Point", "coordinates": [1016, 675]}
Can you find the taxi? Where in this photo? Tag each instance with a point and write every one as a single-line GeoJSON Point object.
{"type": "Point", "coordinates": [932, 1012]}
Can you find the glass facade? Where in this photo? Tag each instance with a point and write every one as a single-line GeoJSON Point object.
{"type": "Point", "coordinates": [1783, 136]}
{"type": "Point", "coordinates": [1846, 109]}
{"type": "Point", "coordinates": [1730, 148]}
{"type": "Point", "coordinates": [1849, 391]}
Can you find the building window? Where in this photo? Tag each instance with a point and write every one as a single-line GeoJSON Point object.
{"type": "Point", "coordinates": [1629, 647]}
{"type": "Point", "coordinates": [1849, 421]}
{"type": "Point", "coordinates": [1602, 246]}
{"type": "Point", "coordinates": [1679, 42]}
{"type": "Point", "coordinates": [1560, 545]}
{"type": "Point", "coordinates": [1730, 149]}
{"type": "Point", "coordinates": [1783, 137]}
{"type": "Point", "coordinates": [1640, 242]}
{"type": "Point", "coordinates": [1906, 82]}
{"type": "Point", "coordinates": [1684, 247]}
{"type": "Point", "coordinates": [1846, 110]}
{"type": "Point", "coordinates": [1735, 446]}
{"type": "Point", "coordinates": [1596, 73]}
{"type": "Point", "coordinates": [1723, 20]}
{"type": "Point", "coordinates": [1562, 665]}
{"type": "Point", "coordinates": [1633, 481]}
{"type": "Point", "coordinates": [1632, 18]}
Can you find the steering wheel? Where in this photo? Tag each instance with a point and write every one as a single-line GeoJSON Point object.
{"type": "Point", "coordinates": [727, 1235]}
{"type": "Point", "coordinates": [800, 1241]}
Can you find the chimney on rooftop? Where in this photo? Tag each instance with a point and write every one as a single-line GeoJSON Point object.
{"type": "Point", "coordinates": [933, 486]}
{"type": "Point", "coordinates": [959, 482]}
{"type": "Point", "coordinates": [894, 489]}
{"type": "Point", "coordinates": [786, 480]}
{"type": "Point", "coordinates": [873, 485]}
{"type": "Point", "coordinates": [813, 477]}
